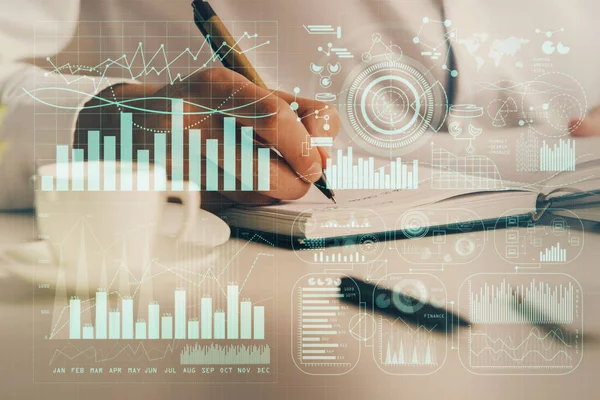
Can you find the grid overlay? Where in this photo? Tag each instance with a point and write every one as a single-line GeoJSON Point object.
{"type": "Point", "coordinates": [149, 52]}
{"type": "Point", "coordinates": [470, 172]}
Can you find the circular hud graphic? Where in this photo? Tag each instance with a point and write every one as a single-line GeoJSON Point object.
{"type": "Point", "coordinates": [392, 105]}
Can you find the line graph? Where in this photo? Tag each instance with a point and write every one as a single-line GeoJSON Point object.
{"type": "Point", "coordinates": [538, 302]}
{"type": "Point", "coordinates": [166, 318]}
{"type": "Point", "coordinates": [159, 60]}
{"type": "Point", "coordinates": [470, 172]}
{"type": "Point", "coordinates": [521, 324]}
{"type": "Point", "coordinates": [528, 349]}
{"type": "Point", "coordinates": [134, 56]}
{"type": "Point", "coordinates": [402, 346]}
{"type": "Point", "coordinates": [411, 347]}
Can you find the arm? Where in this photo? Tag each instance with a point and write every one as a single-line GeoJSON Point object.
{"type": "Point", "coordinates": [267, 112]}
{"type": "Point", "coordinates": [30, 128]}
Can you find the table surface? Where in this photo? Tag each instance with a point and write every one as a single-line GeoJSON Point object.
{"type": "Point", "coordinates": [270, 274]}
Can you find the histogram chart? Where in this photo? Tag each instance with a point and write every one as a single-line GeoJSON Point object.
{"type": "Point", "coordinates": [538, 303]}
{"type": "Point", "coordinates": [346, 173]}
{"type": "Point", "coordinates": [94, 179]}
{"type": "Point", "coordinates": [338, 257]}
{"type": "Point", "coordinates": [151, 59]}
{"type": "Point", "coordinates": [361, 250]}
{"type": "Point", "coordinates": [554, 254]}
{"type": "Point", "coordinates": [561, 157]}
{"type": "Point", "coordinates": [161, 321]}
{"type": "Point", "coordinates": [534, 326]}
{"type": "Point", "coordinates": [225, 355]}
{"type": "Point", "coordinates": [319, 343]}
{"type": "Point", "coordinates": [242, 320]}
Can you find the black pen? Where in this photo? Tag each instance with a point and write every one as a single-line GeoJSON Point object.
{"type": "Point", "coordinates": [234, 59]}
{"type": "Point", "coordinates": [378, 299]}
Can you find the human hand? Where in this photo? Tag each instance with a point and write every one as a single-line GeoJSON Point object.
{"type": "Point", "coordinates": [590, 126]}
{"type": "Point", "coordinates": [268, 112]}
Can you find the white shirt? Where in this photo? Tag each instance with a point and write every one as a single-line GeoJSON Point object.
{"type": "Point", "coordinates": [493, 42]}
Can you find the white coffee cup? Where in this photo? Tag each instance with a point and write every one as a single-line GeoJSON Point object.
{"type": "Point", "coordinates": [105, 230]}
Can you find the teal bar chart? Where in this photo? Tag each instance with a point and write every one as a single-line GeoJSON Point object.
{"type": "Point", "coordinates": [240, 320]}
{"type": "Point", "coordinates": [247, 164]}
{"type": "Point", "coordinates": [153, 320]}
{"type": "Point", "coordinates": [219, 325]}
{"type": "Point", "coordinates": [177, 144]}
{"type": "Point", "coordinates": [225, 355]}
{"type": "Point", "coordinates": [140, 330]}
{"type": "Point", "coordinates": [264, 169]}
{"type": "Point", "coordinates": [94, 158]}
{"type": "Point", "coordinates": [221, 159]}
{"type": "Point", "coordinates": [212, 165]}
{"type": "Point", "coordinates": [75, 321]}
{"type": "Point", "coordinates": [229, 154]}
{"type": "Point", "coordinates": [347, 174]}
{"type": "Point", "coordinates": [110, 167]}
{"type": "Point", "coordinates": [160, 160]}
{"type": "Point", "coordinates": [167, 327]}
{"type": "Point", "coordinates": [88, 332]}
{"type": "Point", "coordinates": [233, 317]}
{"type": "Point", "coordinates": [558, 158]}
{"type": "Point", "coordinates": [127, 314]}
{"type": "Point", "coordinates": [101, 315]}
{"type": "Point", "coordinates": [62, 168]}
{"type": "Point", "coordinates": [126, 151]}
{"type": "Point", "coordinates": [77, 169]}
{"type": "Point", "coordinates": [195, 157]}
{"type": "Point", "coordinates": [180, 314]}
{"type": "Point", "coordinates": [114, 325]}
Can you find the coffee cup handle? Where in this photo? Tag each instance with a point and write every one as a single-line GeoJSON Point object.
{"type": "Point", "coordinates": [190, 199]}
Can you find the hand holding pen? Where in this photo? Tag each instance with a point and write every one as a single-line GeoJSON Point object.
{"type": "Point", "coordinates": [207, 98]}
{"type": "Point", "coordinates": [226, 48]}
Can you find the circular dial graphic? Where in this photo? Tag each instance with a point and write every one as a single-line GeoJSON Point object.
{"type": "Point", "coordinates": [554, 104]}
{"type": "Point", "coordinates": [393, 104]}
{"type": "Point", "coordinates": [410, 295]}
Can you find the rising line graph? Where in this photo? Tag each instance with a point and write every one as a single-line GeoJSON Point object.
{"type": "Point", "coordinates": [128, 64]}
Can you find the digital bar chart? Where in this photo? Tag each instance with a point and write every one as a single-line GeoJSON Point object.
{"type": "Point", "coordinates": [102, 171]}
{"type": "Point", "coordinates": [346, 173]}
{"type": "Point", "coordinates": [554, 254]}
{"type": "Point", "coordinates": [319, 331]}
{"type": "Point", "coordinates": [323, 257]}
{"type": "Point", "coordinates": [241, 320]}
{"type": "Point", "coordinates": [225, 355]}
{"type": "Point", "coordinates": [560, 157]}
{"type": "Point", "coordinates": [538, 303]}
{"type": "Point", "coordinates": [320, 343]}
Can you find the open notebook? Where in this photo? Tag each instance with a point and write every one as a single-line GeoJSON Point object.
{"type": "Point", "coordinates": [395, 213]}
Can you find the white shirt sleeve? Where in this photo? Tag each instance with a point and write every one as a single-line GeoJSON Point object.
{"type": "Point", "coordinates": [41, 107]}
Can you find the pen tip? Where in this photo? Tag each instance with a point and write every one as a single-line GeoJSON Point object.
{"type": "Point", "coordinates": [333, 199]}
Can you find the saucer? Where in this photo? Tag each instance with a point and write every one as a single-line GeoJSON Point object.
{"type": "Point", "coordinates": [211, 231]}
{"type": "Point", "coordinates": [30, 261]}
